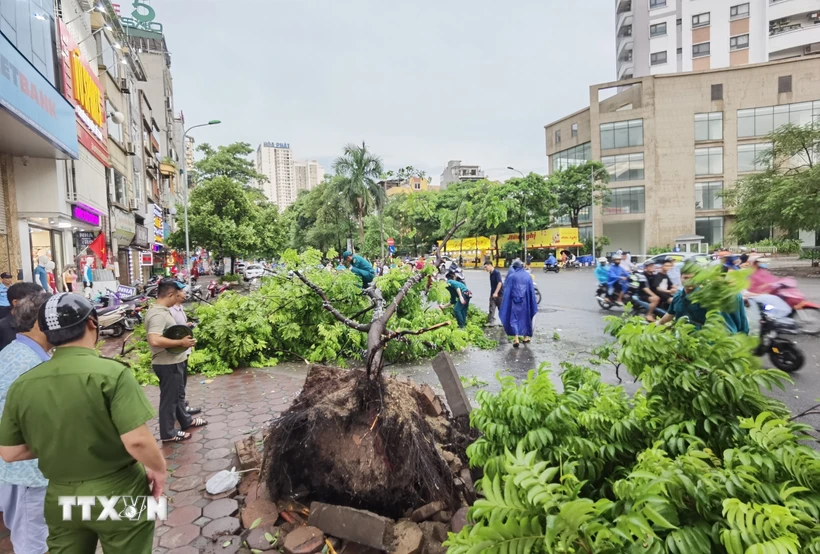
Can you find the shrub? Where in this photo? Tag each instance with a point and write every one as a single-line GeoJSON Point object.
{"type": "Point", "coordinates": [230, 278]}
{"type": "Point", "coordinates": [700, 461]}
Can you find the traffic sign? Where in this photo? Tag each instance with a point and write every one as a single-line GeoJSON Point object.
{"type": "Point", "coordinates": [392, 249]}
{"type": "Point", "coordinates": [390, 242]}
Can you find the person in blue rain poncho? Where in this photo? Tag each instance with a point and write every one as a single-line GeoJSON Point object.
{"type": "Point", "coordinates": [519, 305]}
{"type": "Point", "coordinates": [359, 266]}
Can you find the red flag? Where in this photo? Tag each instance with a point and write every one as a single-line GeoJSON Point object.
{"type": "Point", "coordinates": [99, 248]}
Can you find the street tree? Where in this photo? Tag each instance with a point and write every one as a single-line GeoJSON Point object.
{"type": "Point", "coordinates": [360, 171]}
{"type": "Point", "coordinates": [785, 195]}
{"type": "Point", "coordinates": [574, 187]}
{"type": "Point", "coordinates": [227, 161]}
{"type": "Point", "coordinates": [319, 218]}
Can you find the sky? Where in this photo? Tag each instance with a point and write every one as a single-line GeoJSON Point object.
{"type": "Point", "coordinates": [421, 82]}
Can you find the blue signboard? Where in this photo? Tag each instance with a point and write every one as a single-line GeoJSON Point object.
{"type": "Point", "coordinates": [31, 98]}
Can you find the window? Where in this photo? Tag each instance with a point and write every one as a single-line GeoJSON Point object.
{"type": "Point", "coordinates": [752, 157]}
{"type": "Point", "coordinates": [709, 161]}
{"type": "Point", "coordinates": [709, 126]}
{"type": "Point", "coordinates": [572, 157]}
{"type": "Point", "coordinates": [114, 130]}
{"type": "Point", "coordinates": [656, 4]}
{"type": "Point", "coordinates": [109, 57]}
{"type": "Point", "coordinates": [657, 30]}
{"type": "Point", "coordinates": [710, 228]}
{"type": "Point", "coordinates": [739, 42]}
{"type": "Point", "coordinates": [627, 167]}
{"type": "Point", "coordinates": [700, 50]}
{"type": "Point", "coordinates": [739, 11]}
{"type": "Point", "coordinates": [762, 121]}
{"type": "Point", "coordinates": [417, 186]}
{"type": "Point", "coordinates": [622, 134]}
{"type": "Point", "coordinates": [717, 92]}
{"type": "Point", "coordinates": [119, 186]}
{"type": "Point", "coordinates": [585, 233]}
{"type": "Point", "coordinates": [679, 22]}
{"type": "Point", "coordinates": [658, 58]}
{"type": "Point", "coordinates": [574, 130]}
{"type": "Point", "coordinates": [707, 195]}
{"type": "Point", "coordinates": [680, 52]}
{"type": "Point", "coordinates": [784, 84]}
{"type": "Point", "coordinates": [700, 20]}
{"type": "Point", "coordinates": [630, 200]}
{"type": "Point", "coordinates": [557, 136]}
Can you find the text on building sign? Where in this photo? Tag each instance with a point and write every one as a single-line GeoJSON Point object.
{"type": "Point", "coordinates": [81, 214]}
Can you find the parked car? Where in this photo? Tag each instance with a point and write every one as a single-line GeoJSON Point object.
{"type": "Point", "coordinates": [254, 270]}
{"type": "Point", "coordinates": [239, 268]}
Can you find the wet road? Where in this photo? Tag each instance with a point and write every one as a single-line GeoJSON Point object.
{"type": "Point", "coordinates": [570, 324]}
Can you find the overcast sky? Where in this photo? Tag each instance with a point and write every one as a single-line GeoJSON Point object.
{"type": "Point", "coordinates": [421, 81]}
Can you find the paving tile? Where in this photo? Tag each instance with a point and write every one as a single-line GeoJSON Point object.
{"type": "Point", "coordinates": [216, 443]}
{"type": "Point", "coordinates": [186, 498]}
{"type": "Point", "coordinates": [187, 470]}
{"type": "Point", "coordinates": [216, 465]}
{"type": "Point", "coordinates": [221, 508]}
{"type": "Point", "coordinates": [221, 526]}
{"type": "Point", "coordinates": [184, 515]}
{"type": "Point", "coordinates": [179, 536]}
{"type": "Point", "coordinates": [217, 453]}
{"type": "Point", "coordinates": [186, 483]}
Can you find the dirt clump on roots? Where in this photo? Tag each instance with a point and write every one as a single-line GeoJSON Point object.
{"type": "Point", "coordinates": [364, 444]}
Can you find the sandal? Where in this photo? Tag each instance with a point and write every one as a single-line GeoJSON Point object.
{"type": "Point", "coordinates": [526, 341]}
{"type": "Point", "coordinates": [515, 344]}
{"type": "Point", "coordinates": [192, 411]}
{"type": "Point", "coordinates": [197, 422]}
{"type": "Point", "coordinates": [179, 437]}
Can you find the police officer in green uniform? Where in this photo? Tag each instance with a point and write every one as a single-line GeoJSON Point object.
{"type": "Point", "coordinates": [84, 418]}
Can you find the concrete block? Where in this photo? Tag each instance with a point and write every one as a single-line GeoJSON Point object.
{"type": "Point", "coordinates": [453, 390]}
{"type": "Point", "coordinates": [350, 524]}
{"type": "Point", "coordinates": [427, 511]}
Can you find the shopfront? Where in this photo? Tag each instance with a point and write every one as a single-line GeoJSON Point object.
{"type": "Point", "coordinates": [140, 247]}
{"type": "Point", "coordinates": [123, 231]}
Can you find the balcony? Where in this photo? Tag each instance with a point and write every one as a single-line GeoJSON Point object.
{"type": "Point", "coordinates": [626, 69]}
{"type": "Point", "coordinates": [623, 6]}
{"type": "Point", "coordinates": [625, 52]}
{"type": "Point", "coordinates": [781, 9]}
{"type": "Point", "coordinates": [623, 19]}
{"type": "Point", "coordinates": [794, 32]}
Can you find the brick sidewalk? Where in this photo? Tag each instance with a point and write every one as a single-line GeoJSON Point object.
{"type": "Point", "coordinates": [235, 405]}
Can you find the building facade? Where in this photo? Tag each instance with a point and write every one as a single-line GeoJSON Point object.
{"type": "Point", "coordinates": [668, 36]}
{"type": "Point", "coordinates": [672, 143]}
{"type": "Point", "coordinates": [456, 172]}
{"type": "Point", "coordinates": [274, 160]}
{"type": "Point", "coordinates": [307, 175]}
{"type": "Point", "coordinates": [413, 184]}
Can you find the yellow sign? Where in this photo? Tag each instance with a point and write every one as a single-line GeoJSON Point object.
{"type": "Point", "coordinates": [86, 91]}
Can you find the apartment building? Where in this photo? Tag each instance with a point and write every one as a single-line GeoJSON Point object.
{"type": "Point", "coordinates": [307, 175]}
{"type": "Point", "coordinates": [671, 143]}
{"type": "Point", "coordinates": [656, 37]}
{"type": "Point", "coordinates": [456, 172]}
{"type": "Point", "coordinates": [274, 160]}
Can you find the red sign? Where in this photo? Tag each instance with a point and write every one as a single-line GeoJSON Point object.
{"type": "Point", "coordinates": [146, 258]}
{"type": "Point", "coordinates": [82, 88]}
{"type": "Point", "coordinates": [390, 242]}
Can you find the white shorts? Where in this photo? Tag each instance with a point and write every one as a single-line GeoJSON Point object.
{"type": "Point", "coordinates": [23, 515]}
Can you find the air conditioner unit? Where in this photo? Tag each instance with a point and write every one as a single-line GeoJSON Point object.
{"type": "Point", "coordinates": [129, 147]}
{"type": "Point", "coordinates": [134, 204]}
{"type": "Point", "coordinates": [815, 15]}
{"type": "Point", "coordinates": [811, 49]}
{"type": "Point", "coordinates": [124, 86]}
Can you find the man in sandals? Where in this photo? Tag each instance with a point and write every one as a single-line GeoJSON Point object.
{"type": "Point", "coordinates": [169, 367]}
{"type": "Point", "coordinates": [83, 418]}
{"type": "Point", "coordinates": [179, 315]}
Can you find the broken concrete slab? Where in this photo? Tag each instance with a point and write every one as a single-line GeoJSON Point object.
{"type": "Point", "coordinates": [427, 511]}
{"type": "Point", "coordinates": [430, 402]}
{"type": "Point", "coordinates": [453, 390]}
{"type": "Point", "coordinates": [434, 531]}
{"type": "Point", "coordinates": [247, 452]}
{"type": "Point", "coordinates": [407, 538]}
{"type": "Point", "coordinates": [304, 540]}
{"type": "Point", "coordinates": [359, 526]}
{"type": "Point", "coordinates": [264, 509]}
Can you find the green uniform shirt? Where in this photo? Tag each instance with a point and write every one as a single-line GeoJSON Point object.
{"type": "Point", "coordinates": [71, 411]}
{"type": "Point", "coordinates": [157, 320]}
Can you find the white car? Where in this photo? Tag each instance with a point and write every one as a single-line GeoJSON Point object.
{"type": "Point", "coordinates": [254, 270]}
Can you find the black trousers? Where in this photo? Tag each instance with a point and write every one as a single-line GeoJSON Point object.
{"type": "Point", "coordinates": [171, 399]}
{"type": "Point", "coordinates": [184, 383]}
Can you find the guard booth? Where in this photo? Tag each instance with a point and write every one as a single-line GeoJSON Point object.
{"type": "Point", "coordinates": [692, 244]}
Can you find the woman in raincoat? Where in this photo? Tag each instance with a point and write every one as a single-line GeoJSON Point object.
{"type": "Point", "coordinates": [519, 306]}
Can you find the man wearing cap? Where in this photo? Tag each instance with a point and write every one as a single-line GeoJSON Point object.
{"type": "Point", "coordinates": [5, 283]}
{"type": "Point", "coordinates": [360, 267]}
{"type": "Point", "coordinates": [169, 365]}
{"type": "Point", "coordinates": [84, 419]}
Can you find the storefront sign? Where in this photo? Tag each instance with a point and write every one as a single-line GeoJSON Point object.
{"type": "Point", "coordinates": [141, 236]}
{"type": "Point", "coordinates": [146, 258]}
{"type": "Point", "coordinates": [158, 230]}
{"type": "Point", "coordinates": [82, 88]}
{"type": "Point", "coordinates": [123, 226]}
{"type": "Point", "coordinates": [276, 145]}
{"type": "Point", "coordinates": [84, 239]}
{"type": "Point", "coordinates": [81, 213]}
{"type": "Point", "coordinates": [122, 290]}
{"type": "Point", "coordinates": [32, 99]}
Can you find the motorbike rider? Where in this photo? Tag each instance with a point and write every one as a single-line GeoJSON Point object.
{"type": "Point", "coordinates": [550, 261]}
{"type": "Point", "coordinates": [646, 298]}
{"type": "Point", "coordinates": [661, 283]}
{"type": "Point", "coordinates": [618, 279]}
{"type": "Point", "coordinates": [602, 271]}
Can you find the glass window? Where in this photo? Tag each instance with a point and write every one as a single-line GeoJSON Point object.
{"type": "Point", "coordinates": [585, 233]}
{"type": "Point", "coordinates": [700, 20]}
{"type": "Point", "coordinates": [702, 49]}
{"type": "Point", "coordinates": [114, 130]}
{"type": "Point", "coordinates": [656, 3]}
{"type": "Point", "coordinates": [557, 136]}
{"type": "Point", "coordinates": [626, 167]}
{"type": "Point", "coordinates": [109, 57]}
{"type": "Point", "coordinates": [119, 186]}
{"type": "Point", "coordinates": [762, 121]}
{"type": "Point", "coordinates": [709, 126]}
{"type": "Point", "coordinates": [800, 114]}
{"type": "Point", "coordinates": [739, 11]}
{"type": "Point", "coordinates": [630, 200]}
{"type": "Point", "coordinates": [574, 130]}
{"type": "Point", "coordinates": [709, 161]}
{"type": "Point", "coordinates": [707, 195]}
{"type": "Point", "coordinates": [657, 58]}
{"type": "Point", "coordinates": [572, 157]}
{"type": "Point", "coordinates": [622, 134]}
{"type": "Point", "coordinates": [657, 30]}
{"type": "Point", "coordinates": [739, 42]}
{"type": "Point", "coordinates": [710, 228]}
{"type": "Point", "coordinates": [749, 157]}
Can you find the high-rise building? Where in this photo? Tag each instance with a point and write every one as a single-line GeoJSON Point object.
{"type": "Point", "coordinates": [274, 160]}
{"type": "Point", "coordinates": [671, 36]}
{"type": "Point", "coordinates": [456, 172]}
{"type": "Point", "coordinates": [672, 143]}
{"type": "Point", "coordinates": [307, 174]}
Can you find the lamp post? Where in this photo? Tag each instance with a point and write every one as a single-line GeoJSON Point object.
{"type": "Point", "coordinates": [525, 215]}
{"type": "Point", "coordinates": [185, 191]}
{"type": "Point", "coordinates": [592, 174]}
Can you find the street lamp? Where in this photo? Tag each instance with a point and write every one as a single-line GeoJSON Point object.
{"type": "Point", "coordinates": [592, 174]}
{"type": "Point", "coordinates": [100, 9]}
{"type": "Point", "coordinates": [185, 191]}
{"type": "Point", "coordinates": [525, 214]}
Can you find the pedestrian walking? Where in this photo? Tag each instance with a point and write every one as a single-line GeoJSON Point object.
{"type": "Point", "coordinates": [84, 419]}
{"type": "Point", "coordinates": [169, 366]}
{"type": "Point", "coordinates": [181, 318]}
{"type": "Point", "coordinates": [496, 291]}
{"type": "Point", "coordinates": [460, 297]}
{"type": "Point", "coordinates": [519, 305]}
{"type": "Point", "coordinates": [16, 293]}
{"type": "Point", "coordinates": [5, 283]}
{"type": "Point", "coordinates": [22, 485]}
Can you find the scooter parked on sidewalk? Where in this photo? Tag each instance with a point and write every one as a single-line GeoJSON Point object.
{"type": "Point", "coordinates": [112, 321]}
{"type": "Point", "coordinates": [215, 289]}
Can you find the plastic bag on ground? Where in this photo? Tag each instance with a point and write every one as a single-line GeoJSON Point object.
{"type": "Point", "coordinates": [222, 482]}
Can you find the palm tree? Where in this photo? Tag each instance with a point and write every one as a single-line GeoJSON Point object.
{"type": "Point", "coordinates": [360, 171]}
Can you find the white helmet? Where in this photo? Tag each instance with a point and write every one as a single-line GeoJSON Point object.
{"type": "Point", "coordinates": [602, 260]}
{"type": "Point", "coordinates": [616, 257]}
{"type": "Point", "coordinates": [743, 249]}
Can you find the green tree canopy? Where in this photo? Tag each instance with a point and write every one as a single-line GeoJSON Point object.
{"type": "Point", "coordinates": [573, 189]}
{"type": "Point", "coordinates": [227, 161]}
{"type": "Point", "coordinates": [360, 171]}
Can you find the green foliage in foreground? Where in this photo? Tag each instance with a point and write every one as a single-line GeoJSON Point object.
{"type": "Point", "coordinates": [285, 320]}
{"type": "Point", "coordinates": [700, 461]}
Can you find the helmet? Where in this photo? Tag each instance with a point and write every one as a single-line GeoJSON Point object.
{"type": "Point", "coordinates": [602, 260]}
{"type": "Point", "coordinates": [63, 311]}
{"type": "Point", "coordinates": [616, 257]}
{"type": "Point", "coordinates": [743, 249]}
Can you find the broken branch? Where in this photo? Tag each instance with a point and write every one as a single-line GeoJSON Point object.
{"type": "Point", "coordinates": [446, 238]}
{"type": "Point", "coordinates": [391, 309]}
{"type": "Point", "coordinates": [329, 307]}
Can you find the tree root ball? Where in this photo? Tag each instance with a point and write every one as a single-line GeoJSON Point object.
{"type": "Point", "coordinates": [361, 443]}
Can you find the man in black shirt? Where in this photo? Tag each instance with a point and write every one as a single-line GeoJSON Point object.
{"type": "Point", "coordinates": [16, 293]}
{"type": "Point", "coordinates": [661, 284]}
{"type": "Point", "coordinates": [496, 290]}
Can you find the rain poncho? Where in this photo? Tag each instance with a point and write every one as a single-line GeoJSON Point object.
{"type": "Point", "coordinates": [602, 274]}
{"type": "Point", "coordinates": [519, 305]}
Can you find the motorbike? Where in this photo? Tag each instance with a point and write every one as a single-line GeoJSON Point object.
{"type": "Point", "coordinates": [784, 353]}
{"type": "Point", "coordinates": [537, 294]}
{"type": "Point", "coordinates": [606, 301]}
{"type": "Point", "coordinates": [806, 313]}
{"type": "Point", "coordinates": [112, 321]}
{"type": "Point", "coordinates": [555, 268]}
{"type": "Point", "coordinates": [215, 289]}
